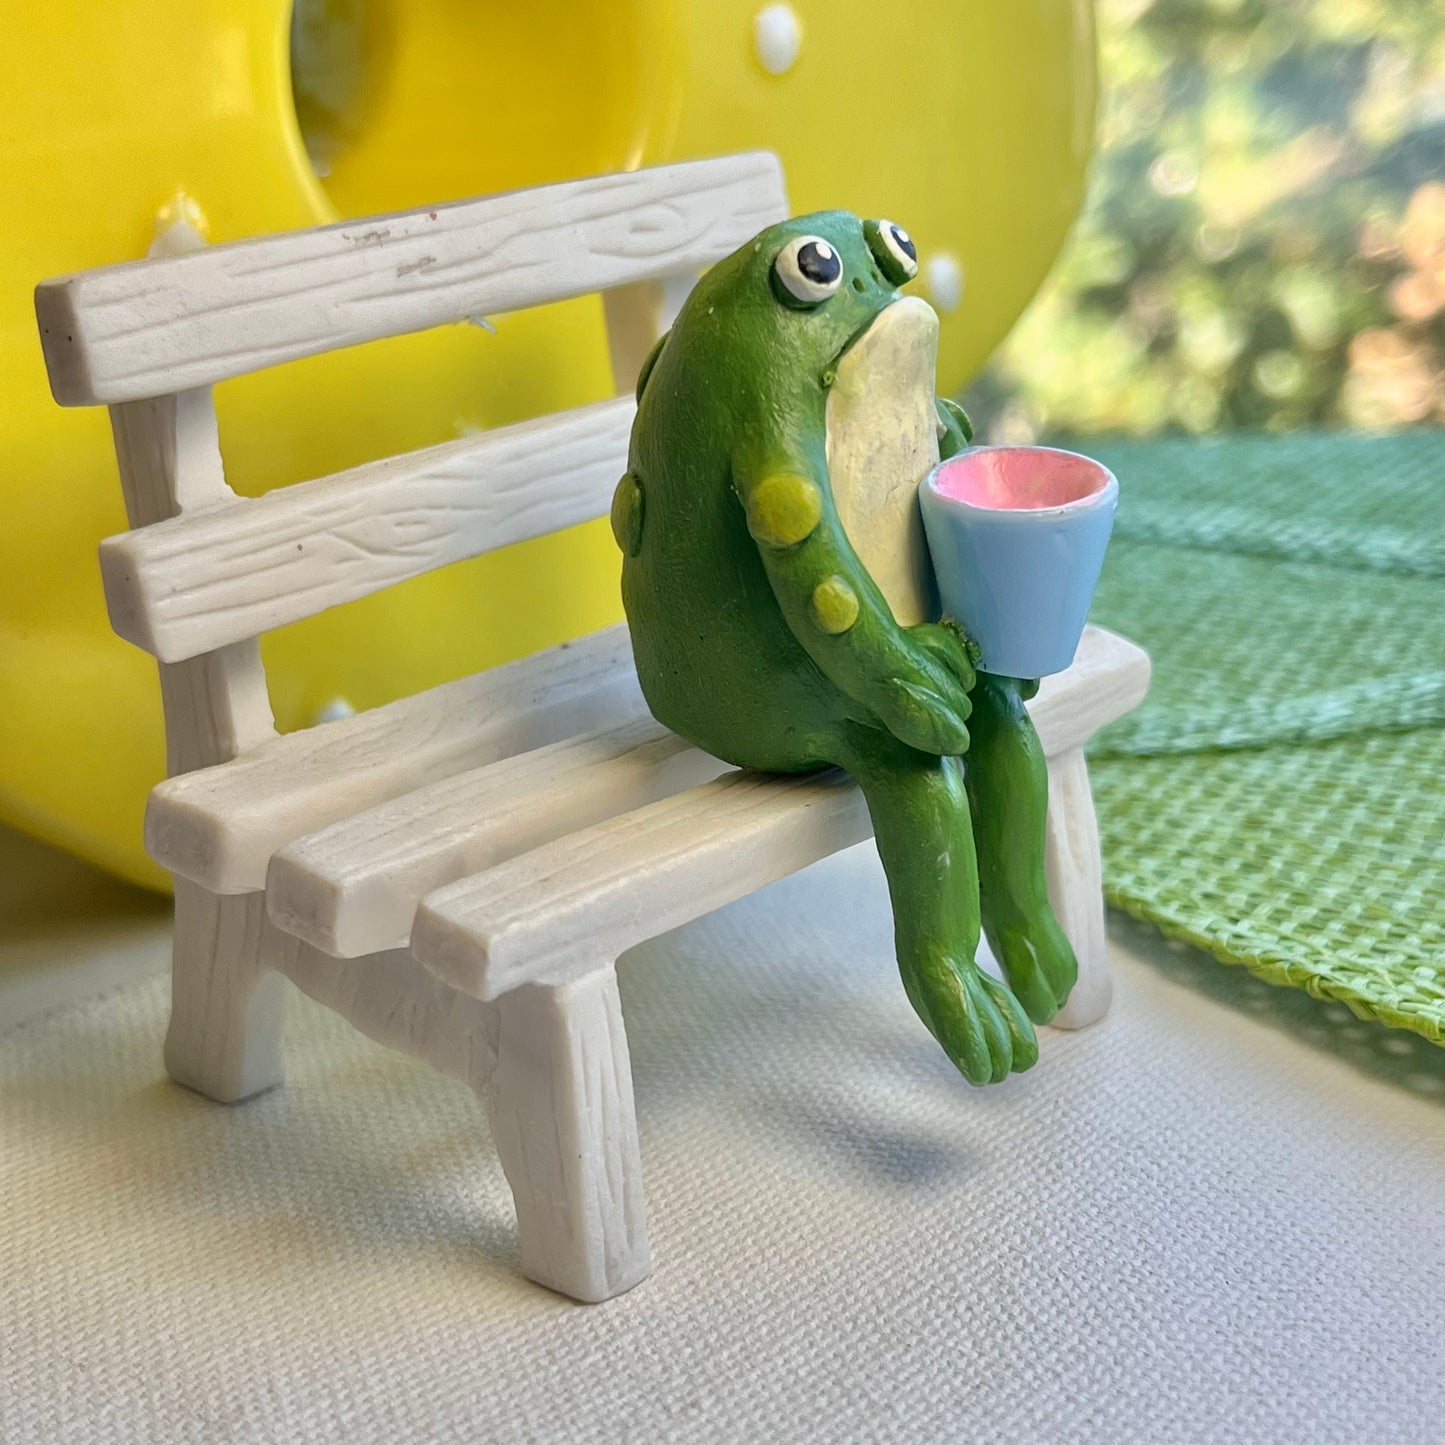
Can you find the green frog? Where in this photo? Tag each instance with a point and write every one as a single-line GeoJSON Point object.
{"type": "Point", "coordinates": [784, 617]}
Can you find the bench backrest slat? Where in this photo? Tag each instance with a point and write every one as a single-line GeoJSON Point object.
{"type": "Point", "coordinates": [199, 581]}
{"type": "Point", "coordinates": [148, 328]}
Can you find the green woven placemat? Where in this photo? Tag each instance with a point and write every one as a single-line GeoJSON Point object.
{"type": "Point", "coordinates": [1279, 799]}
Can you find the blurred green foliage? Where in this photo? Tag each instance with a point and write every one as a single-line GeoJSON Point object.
{"type": "Point", "coordinates": [1264, 241]}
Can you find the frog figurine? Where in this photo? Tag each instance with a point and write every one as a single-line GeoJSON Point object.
{"type": "Point", "coordinates": [784, 617]}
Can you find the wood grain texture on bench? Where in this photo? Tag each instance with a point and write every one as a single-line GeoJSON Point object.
{"type": "Point", "coordinates": [220, 826]}
{"type": "Point", "coordinates": [146, 328]}
{"type": "Point", "coordinates": [588, 896]}
{"type": "Point", "coordinates": [353, 888]}
{"type": "Point", "coordinates": [391, 998]}
{"type": "Point", "coordinates": [572, 904]}
{"type": "Point", "coordinates": [203, 580]}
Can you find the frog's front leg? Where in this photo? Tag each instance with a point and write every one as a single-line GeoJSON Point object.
{"type": "Point", "coordinates": [913, 680]}
{"type": "Point", "coordinates": [1008, 787]}
{"type": "Point", "coordinates": [920, 811]}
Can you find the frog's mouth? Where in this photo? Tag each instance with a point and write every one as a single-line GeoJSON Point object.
{"type": "Point", "coordinates": [882, 439]}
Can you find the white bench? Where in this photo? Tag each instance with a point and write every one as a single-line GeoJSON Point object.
{"type": "Point", "coordinates": [456, 873]}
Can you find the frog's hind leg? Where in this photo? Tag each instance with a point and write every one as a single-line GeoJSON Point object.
{"type": "Point", "coordinates": [920, 811]}
{"type": "Point", "coordinates": [1008, 787]}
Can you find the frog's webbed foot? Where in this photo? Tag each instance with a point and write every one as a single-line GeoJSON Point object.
{"type": "Point", "coordinates": [1038, 962]}
{"type": "Point", "coordinates": [975, 1018]}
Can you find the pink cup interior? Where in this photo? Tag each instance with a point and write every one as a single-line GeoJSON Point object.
{"type": "Point", "coordinates": [1020, 479]}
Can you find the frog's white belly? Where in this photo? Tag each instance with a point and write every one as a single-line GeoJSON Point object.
{"type": "Point", "coordinates": [882, 439]}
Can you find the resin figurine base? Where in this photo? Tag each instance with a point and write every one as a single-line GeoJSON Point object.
{"type": "Point", "coordinates": [455, 873]}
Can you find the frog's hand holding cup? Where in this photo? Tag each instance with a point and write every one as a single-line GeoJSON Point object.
{"type": "Point", "coordinates": [1017, 537]}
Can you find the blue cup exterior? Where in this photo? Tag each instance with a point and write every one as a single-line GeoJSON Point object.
{"type": "Point", "coordinates": [1019, 581]}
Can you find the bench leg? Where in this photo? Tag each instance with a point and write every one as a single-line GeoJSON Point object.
{"type": "Point", "coordinates": [1076, 886]}
{"type": "Point", "coordinates": [562, 1113]}
{"type": "Point", "coordinates": [224, 1039]}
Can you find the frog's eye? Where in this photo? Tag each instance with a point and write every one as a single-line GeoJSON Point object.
{"type": "Point", "coordinates": [894, 250]}
{"type": "Point", "coordinates": [807, 272]}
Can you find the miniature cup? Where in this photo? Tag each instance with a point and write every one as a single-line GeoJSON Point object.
{"type": "Point", "coordinates": [1017, 536]}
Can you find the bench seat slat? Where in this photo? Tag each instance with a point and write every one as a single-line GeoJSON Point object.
{"type": "Point", "coordinates": [220, 826]}
{"type": "Point", "coordinates": [1107, 679]}
{"type": "Point", "coordinates": [147, 328]}
{"type": "Point", "coordinates": [584, 898]}
{"type": "Point", "coordinates": [353, 888]}
{"type": "Point", "coordinates": [570, 904]}
{"type": "Point", "coordinates": [202, 580]}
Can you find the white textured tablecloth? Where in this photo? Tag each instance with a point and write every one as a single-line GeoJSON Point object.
{"type": "Point", "coordinates": [1193, 1223]}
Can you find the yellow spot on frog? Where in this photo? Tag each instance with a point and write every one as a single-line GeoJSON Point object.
{"type": "Point", "coordinates": [784, 509]}
{"type": "Point", "coordinates": [627, 515]}
{"type": "Point", "coordinates": [835, 605]}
